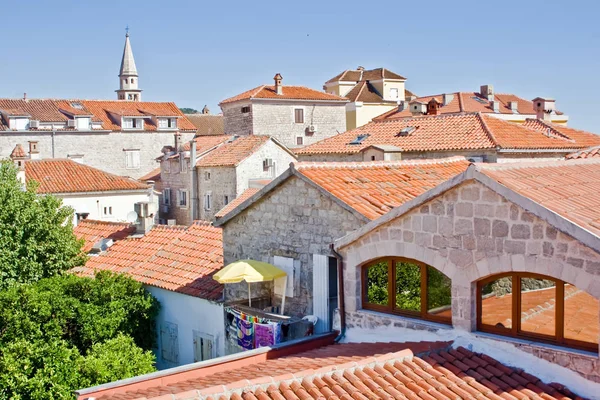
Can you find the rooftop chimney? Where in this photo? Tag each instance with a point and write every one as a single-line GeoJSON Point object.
{"type": "Point", "coordinates": [205, 110]}
{"type": "Point", "coordinates": [418, 108]}
{"type": "Point", "coordinates": [544, 108]}
{"type": "Point", "coordinates": [432, 107]}
{"type": "Point", "coordinates": [402, 105]}
{"type": "Point", "coordinates": [145, 213]}
{"type": "Point", "coordinates": [178, 142]}
{"type": "Point", "coordinates": [278, 87]}
{"type": "Point", "coordinates": [447, 98]}
{"type": "Point", "coordinates": [18, 157]}
{"type": "Point", "coordinates": [24, 96]}
{"type": "Point", "coordinates": [495, 106]}
{"type": "Point", "coordinates": [34, 153]}
{"type": "Point", "coordinates": [487, 91]}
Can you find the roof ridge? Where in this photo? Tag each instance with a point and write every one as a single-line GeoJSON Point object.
{"type": "Point", "coordinates": [461, 106]}
{"type": "Point", "coordinates": [533, 163]}
{"type": "Point", "coordinates": [487, 130]}
{"type": "Point", "coordinates": [244, 385]}
{"type": "Point", "coordinates": [370, 164]}
{"type": "Point", "coordinates": [552, 127]}
{"type": "Point", "coordinates": [422, 117]}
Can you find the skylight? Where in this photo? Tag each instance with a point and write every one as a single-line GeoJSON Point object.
{"type": "Point", "coordinates": [77, 105]}
{"type": "Point", "coordinates": [360, 138]}
{"type": "Point", "coordinates": [406, 131]}
{"type": "Point", "coordinates": [480, 100]}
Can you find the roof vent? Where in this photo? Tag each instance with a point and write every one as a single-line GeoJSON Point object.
{"type": "Point", "coordinates": [360, 138]}
{"type": "Point", "coordinates": [406, 131]}
{"type": "Point", "coordinates": [101, 245]}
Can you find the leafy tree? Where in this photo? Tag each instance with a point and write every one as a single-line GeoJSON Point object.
{"type": "Point", "coordinates": [187, 110]}
{"type": "Point", "coordinates": [67, 332]}
{"type": "Point", "coordinates": [36, 232]}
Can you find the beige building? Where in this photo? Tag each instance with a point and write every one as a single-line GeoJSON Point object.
{"type": "Point", "coordinates": [371, 93]}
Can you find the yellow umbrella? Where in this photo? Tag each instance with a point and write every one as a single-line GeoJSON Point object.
{"type": "Point", "coordinates": [250, 271]}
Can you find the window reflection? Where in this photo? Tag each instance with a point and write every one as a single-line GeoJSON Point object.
{"type": "Point", "coordinates": [581, 315]}
{"type": "Point", "coordinates": [538, 306]}
{"type": "Point", "coordinates": [439, 293]}
{"type": "Point", "coordinates": [377, 284]}
{"type": "Point", "coordinates": [496, 303]}
{"type": "Point", "coordinates": [408, 286]}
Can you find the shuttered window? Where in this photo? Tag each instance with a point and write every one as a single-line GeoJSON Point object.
{"type": "Point", "coordinates": [299, 115]}
{"type": "Point", "coordinates": [132, 159]}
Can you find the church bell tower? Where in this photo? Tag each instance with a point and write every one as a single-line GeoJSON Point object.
{"type": "Point", "coordinates": [128, 75]}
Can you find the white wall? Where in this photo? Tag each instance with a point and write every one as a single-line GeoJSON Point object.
{"type": "Point", "coordinates": [121, 203]}
{"type": "Point", "coordinates": [189, 314]}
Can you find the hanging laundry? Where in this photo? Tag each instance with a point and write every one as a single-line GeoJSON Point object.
{"type": "Point", "coordinates": [264, 335]}
{"type": "Point", "coordinates": [245, 333]}
{"type": "Point", "coordinates": [276, 332]}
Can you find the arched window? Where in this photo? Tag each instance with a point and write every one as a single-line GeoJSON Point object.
{"type": "Point", "coordinates": [538, 307]}
{"type": "Point", "coordinates": [407, 287]}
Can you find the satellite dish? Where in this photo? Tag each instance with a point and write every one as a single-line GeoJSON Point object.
{"type": "Point", "coordinates": [132, 217]}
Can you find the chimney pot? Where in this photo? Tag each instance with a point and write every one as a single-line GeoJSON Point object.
{"type": "Point", "coordinates": [178, 142]}
{"type": "Point", "coordinates": [278, 87]}
{"type": "Point", "coordinates": [34, 153]}
{"type": "Point", "coordinates": [25, 96]}
{"type": "Point", "coordinates": [487, 91]}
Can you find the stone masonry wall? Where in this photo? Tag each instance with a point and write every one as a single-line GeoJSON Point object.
{"type": "Point", "coordinates": [234, 121]}
{"type": "Point", "coordinates": [175, 180]}
{"type": "Point", "coordinates": [277, 120]}
{"type": "Point", "coordinates": [469, 233]}
{"type": "Point", "coordinates": [100, 150]}
{"type": "Point", "coordinates": [294, 220]}
{"type": "Point", "coordinates": [222, 183]}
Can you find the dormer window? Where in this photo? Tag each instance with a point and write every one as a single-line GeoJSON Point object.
{"type": "Point", "coordinates": [83, 123]}
{"type": "Point", "coordinates": [167, 123]}
{"type": "Point", "coordinates": [133, 123]}
{"type": "Point", "coordinates": [19, 124]}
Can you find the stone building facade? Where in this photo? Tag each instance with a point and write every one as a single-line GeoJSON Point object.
{"type": "Point", "coordinates": [297, 221]}
{"type": "Point", "coordinates": [296, 116]}
{"type": "Point", "coordinates": [470, 232]}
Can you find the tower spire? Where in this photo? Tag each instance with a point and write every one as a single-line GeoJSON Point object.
{"type": "Point", "coordinates": [128, 75]}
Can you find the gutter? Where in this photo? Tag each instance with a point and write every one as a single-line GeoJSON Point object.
{"type": "Point", "coordinates": [342, 308]}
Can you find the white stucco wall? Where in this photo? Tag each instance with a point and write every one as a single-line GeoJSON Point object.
{"type": "Point", "coordinates": [189, 314]}
{"type": "Point", "coordinates": [121, 203]}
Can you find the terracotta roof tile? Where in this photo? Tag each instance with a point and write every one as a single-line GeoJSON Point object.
{"type": "Point", "coordinates": [153, 175]}
{"type": "Point", "coordinates": [568, 188]}
{"type": "Point", "coordinates": [590, 152]}
{"type": "Point", "coordinates": [67, 176]}
{"type": "Point", "coordinates": [92, 231]}
{"type": "Point", "coordinates": [374, 188]}
{"type": "Point", "coordinates": [205, 143]}
{"type": "Point", "coordinates": [207, 124]}
{"type": "Point", "coordinates": [49, 110]}
{"type": "Point", "coordinates": [233, 152]}
{"type": "Point", "coordinates": [469, 102]}
{"type": "Point", "coordinates": [367, 93]}
{"type": "Point", "coordinates": [289, 92]}
{"type": "Point", "coordinates": [176, 258]}
{"type": "Point", "coordinates": [18, 152]}
{"type": "Point", "coordinates": [355, 75]}
{"type": "Point", "coordinates": [447, 132]}
{"type": "Point", "coordinates": [237, 201]}
{"type": "Point", "coordinates": [357, 371]}
{"type": "Point", "coordinates": [561, 131]}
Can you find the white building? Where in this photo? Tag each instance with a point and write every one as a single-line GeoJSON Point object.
{"type": "Point", "coordinates": [92, 193]}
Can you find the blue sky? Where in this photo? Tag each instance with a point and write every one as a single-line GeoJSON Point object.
{"type": "Point", "coordinates": [200, 52]}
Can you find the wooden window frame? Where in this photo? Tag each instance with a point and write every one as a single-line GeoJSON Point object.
{"type": "Point", "coordinates": [299, 115]}
{"type": "Point", "coordinates": [390, 308]}
{"type": "Point", "coordinates": [515, 330]}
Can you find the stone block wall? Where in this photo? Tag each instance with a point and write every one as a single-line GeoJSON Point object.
{"type": "Point", "coordinates": [223, 182]}
{"type": "Point", "coordinates": [294, 220]}
{"type": "Point", "coordinates": [234, 121]}
{"type": "Point", "coordinates": [469, 233]}
{"type": "Point", "coordinates": [176, 180]}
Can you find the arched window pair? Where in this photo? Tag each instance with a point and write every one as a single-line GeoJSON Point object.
{"type": "Point", "coordinates": [407, 287]}
{"type": "Point", "coordinates": [538, 307]}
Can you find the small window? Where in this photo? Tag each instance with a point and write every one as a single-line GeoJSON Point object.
{"type": "Point", "coordinates": [393, 93]}
{"type": "Point", "coordinates": [207, 201]}
{"type": "Point", "coordinates": [132, 80]}
{"type": "Point", "coordinates": [372, 158]}
{"type": "Point", "coordinates": [245, 109]}
{"type": "Point", "coordinates": [407, 287]}
{"type": "Point", "coordinates": [167, 197]}
{"type": "Point", "coordinates": [267, 164]}
{"type": "Point", "coordinates": [360, 138]}
{"type": "Point", "coordinates": [207, 175]}
{"type": "Point", "coordinates": [130, 97]}
{"type": "Point", "coordinates": [132, 159]}
{"type": "Point", "coordinates": [299, 140]}
{"type": "Point", "coordinates": [107, 211]}
{"type": "Point", "coordinates": [299, 115]}
{"type": "Point", "coordinates": [225, 200]}
{"type": "Point", "coordinates": [183, 198]}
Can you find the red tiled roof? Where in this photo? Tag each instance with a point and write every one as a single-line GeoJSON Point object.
{"type": "Point", "coordinates": [237, 201]}
{"type": "Point", "coordinates": [92, 231]}
{"type": "Point", "coordinates": [289, 92]}
{"type": "Point", "coordinates": [365, 92]}
{"type": "Point", "coordinates": [49, 110]}
{"type": "Point", "coordinates": [374, 188]}
{"type": "Point", "coordinates": [230, 154]}
{"type": "Point", "coordinates": [67, 176]}
{"type": "Point", "coordinates": [176, 258]}
{"type": "Point", "coordinates": [568, 188]}
{"type": "Point", "coordinates": [365, 371]}
{"type": "Point", "coordinates": [207, 124]}
{"type": "Point", "coordinates": [449, 132]}
{"type": "Point", "coordinates": [204, 143]}
{"type": "Point", "coordinates": [18, 152]}
{"type": "Point", "coordinates": [560, 131]}
{"type": "Point", "coordinates": [469, 102]}
{"type": "Point", "coordinates": [153, 175]}
{"type": "Point", "coordinates": [590, 152]}
{"type": "Point", "coordinates": [355, 75]}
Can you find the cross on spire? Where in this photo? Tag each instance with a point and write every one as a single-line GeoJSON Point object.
{"type": "Point", "coordinates": [127, 31]}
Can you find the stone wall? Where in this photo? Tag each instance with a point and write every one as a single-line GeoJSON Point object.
{"type": "Point", "coordinates": [223, 182]}
{"type": "Point", "coordinates": [234, 121]}
{"type": "Point", "coordinates": [99, 150]}
{"type": "Point", "coordinates": [294, 220]}
{"type": "Point", "coordinates": [176, 180]}
{"type": "Point", "coordinates": [468, 233]}
{"type": "Point", "coordinates": [277, 120]}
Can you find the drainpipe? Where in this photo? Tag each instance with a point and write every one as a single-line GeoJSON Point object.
{"type": "Point", "coordinates": [53, 133]}
{"type": "Point", "coordinates": [342, 308]}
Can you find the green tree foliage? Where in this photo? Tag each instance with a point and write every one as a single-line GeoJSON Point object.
{"type": "Point", "coordinates": [187, 110]}
{"type": "Point", "coordinates": [66, 332]}
{"type": "Point", "coordinates": [36, 232]}
{"type": "Point", "coordinates": [408, 286]}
